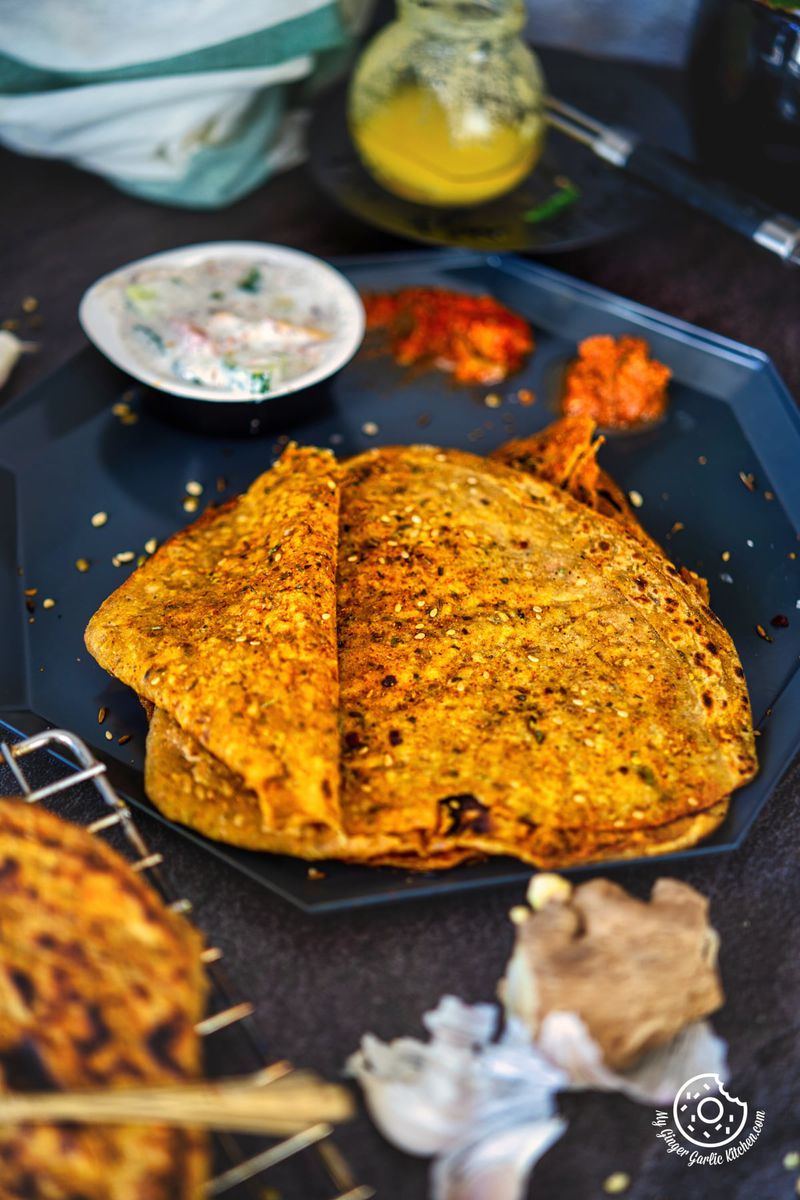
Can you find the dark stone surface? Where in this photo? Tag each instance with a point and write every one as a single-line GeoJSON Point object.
{"type": "Point", "coordinates": [320, 983]}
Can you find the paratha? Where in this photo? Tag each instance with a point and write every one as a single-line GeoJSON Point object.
{"type": "Point", "coordinates": [189, 785]}
{"type": "Point", "coordinates": [100, 986]}
{"type": "Point", "coordinates": [521, 672]}
{"type": "Point", "coordinates": [231, 628]}
{"type": "Point", "coordinates": [565, 454]}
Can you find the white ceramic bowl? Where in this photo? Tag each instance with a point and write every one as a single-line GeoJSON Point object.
{"type": "Point", "coordinates": [99, 317]}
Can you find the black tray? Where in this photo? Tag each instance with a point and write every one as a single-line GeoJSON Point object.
{"type": "Point", "coordinates": [65, 456]}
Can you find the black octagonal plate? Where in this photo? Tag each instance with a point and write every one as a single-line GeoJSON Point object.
{"type": "Point", "coordinates": [64, 455]}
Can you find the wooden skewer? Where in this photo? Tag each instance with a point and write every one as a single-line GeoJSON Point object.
{"type": "Point", "coordinates": [287, 1105]}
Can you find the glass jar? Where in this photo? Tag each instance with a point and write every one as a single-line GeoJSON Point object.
{"type": "Point", "coordinates": [445, 103]}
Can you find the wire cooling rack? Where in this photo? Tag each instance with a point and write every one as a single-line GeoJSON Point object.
{"type": "Point", "coordinates": [231, 1019]}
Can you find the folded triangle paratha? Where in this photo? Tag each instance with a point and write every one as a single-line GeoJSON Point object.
{"type": "Point", "coordinates": [231, 628]}
{"type": "Point", "coordinates": [519, 673]}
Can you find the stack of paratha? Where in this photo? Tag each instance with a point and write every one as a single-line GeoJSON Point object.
{"type": "Point", "coordinates": [100, 986]}
{"type": "Point", "coordinates": [420, 656]}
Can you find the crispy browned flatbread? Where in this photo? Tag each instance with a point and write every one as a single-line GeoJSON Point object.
{"type": "Point", "coordinates": [100, 986]}
{"type": "Point", "coordinates": [189, 785]}
{"type": "Point", "coordinates": [231, 628]}
{"type": "Point", "coordinates": [517, 670]}
{"type": "Point", "coordinates": [519, 674]}
{"type": "Point", "coordinates": [565, 454]}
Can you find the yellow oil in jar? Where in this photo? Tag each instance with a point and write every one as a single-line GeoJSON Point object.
{"type": "Point", "coordinates": [418, 150]}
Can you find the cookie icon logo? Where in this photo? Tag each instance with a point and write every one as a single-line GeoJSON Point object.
{"type": "Point", "coordinates": [705, 1114]}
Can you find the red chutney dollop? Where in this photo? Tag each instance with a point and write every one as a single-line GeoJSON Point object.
{"type": "Point", "coordinates": [475, 338]}
{"type": "Point", "coordinates": [616, 382]}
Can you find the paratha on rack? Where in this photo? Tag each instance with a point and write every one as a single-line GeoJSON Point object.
{"type": "Point", "coordinates": [231, 629]}
{"type": "Point", "coordinates": [100, 986]}
{"type": "Point", "coordinates": [520, 672]}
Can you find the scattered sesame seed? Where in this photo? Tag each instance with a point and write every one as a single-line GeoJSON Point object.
{"type": "Point", "coordinates": [621, 712]}
{"type": "Point", "coordinates": [315, 873]}
{"type": "Point", "coordinates": [433, 612]}
{"type": "Point", "coordinates": [577, 703]}
{"type": "Point", "coordinates": [726, 556]}
{"type": "Point", "coordinates": [352, 558]}
{"type": "Point", "coordinates": [124, 739]}
{"type": "Point", "coordinates": [125, 556]}
{"type": "Point", "coordinates": [750, 543]}
{"type": "Point", "coordinates": [617, 1183]}
{"type": "Point", "coordinates": [48, 603]}
{"type": "Point", "coordinates": [369, 429]}
{"type": "Point", "coordinates": [526, 397]}
{"type": "Point", "coordinates": [81, 564]}
{"type": "Point", "coordinates": [416, 519]}
{"type": "Point", "coordinates": [151, 545]}
{"type": "Point", "coordinates": [762, 633]}
{"type": "Point", "coordinates": [636, 498]}
{"type": "Point", "coordinates": [677, 526]}
{"type": "Point", "coordinates": [769, 495]}
{"type": "Point", "coordinates": [791, 1161]}
{"type": "Point", "coordinates": [109, 736]}
{"type": "Point", "coordinates": [492, 400]}
{"type": "Point", "coordinates": [748, 479]}
{"type": "Point", "coordinates": [190, 504]}
{"type": "Point", "coordinates": [532, 658]}
{"type": "Point", "coordinates": [31, 591]}
{"type": "Point", "coordinates": [451, 633]}
{"type": "Point", "coordinates": [418, 637]}
{"type": "Point", "coordinates": [579, 798]}
{"type": "Point", "coordinates": [193, 488]}
{"type": "Point", "coordinates": [99, 519]}
{"type": "Point", "coordinates": [326, 616]}
{"type": "Point", "coordinates": [101, 715]}
{"type": "Point", "coordinates": [120, 409]}
{"type": "Point", "coordinates": [30, 304]}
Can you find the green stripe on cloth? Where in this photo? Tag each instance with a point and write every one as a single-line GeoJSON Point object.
{"type": "Point", "coordinates": [322, 29]}
{"type": "Point", "coordinates": [220, 174]}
